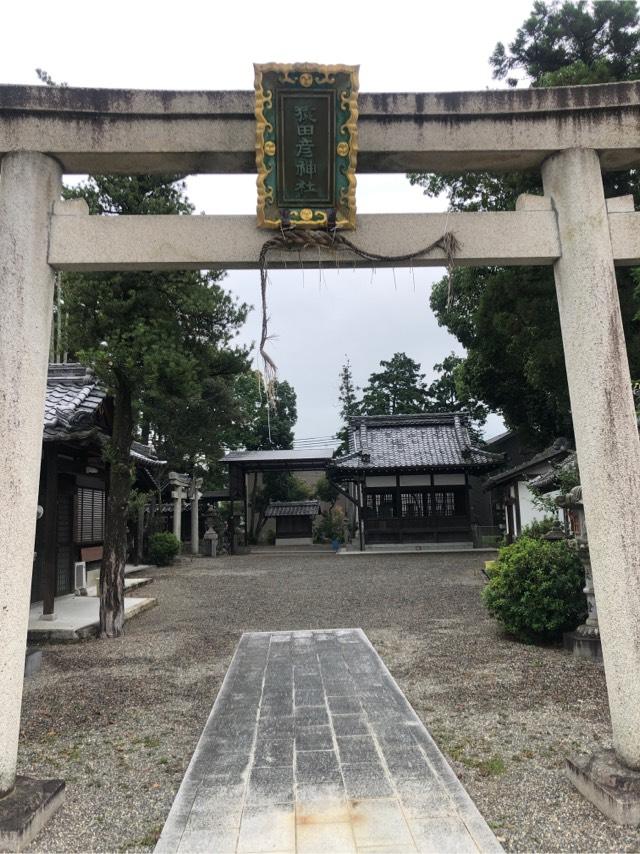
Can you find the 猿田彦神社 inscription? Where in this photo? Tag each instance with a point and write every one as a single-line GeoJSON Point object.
{"type": "Point", "coordinates": [306, 145]}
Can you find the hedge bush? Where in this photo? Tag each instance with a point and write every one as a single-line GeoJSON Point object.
{"type": "Point", "coordinates": [163, 547]}
{"type": "Point", "coordinates": [535, 589]}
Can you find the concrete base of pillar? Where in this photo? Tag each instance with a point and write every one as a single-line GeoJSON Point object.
{"type": "Point", "coordinates": [49, 617]}
{"type": "Point", "coordinates": [25, 811]}
{"type": "Point", "coordinates": [32, 661]}
{"type": "Point", "coordinates": [583, 645]}
{"type": "Point", "coordinates": [610, 786]}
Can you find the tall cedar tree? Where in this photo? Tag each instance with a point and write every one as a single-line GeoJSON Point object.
{"type": "Point", "coordinates": [349, 406]}
{"type": "Point", "coordinates": [507, 318]}
{"type": "Point", "coordinates": [399, 389]}
{"type": "Point", "coordinates": [162, 344]}
{"type": "Point", "coordinates": [448, 393]}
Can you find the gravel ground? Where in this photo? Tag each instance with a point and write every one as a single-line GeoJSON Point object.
{"type": "Point", "coordinates": [118, 720]}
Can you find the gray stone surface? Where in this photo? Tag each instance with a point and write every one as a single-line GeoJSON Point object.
{"type": "Point", "coordinates": [312, 747]}
{"type": "Point", "coordinates": [25, 811]}
{"type": "Point", "coordinates": [604, 419]}
{"type": "Point", "coordinates": [82, 243]}
{"type": "Point", "coordinates": [612, 787]}
{"type": "Point", "coordinates": [77, 617]}
{"type": "Point", "coordinates": [29, 185]}
{"type": "Point", "coordinates": [584, 646]}
{"type": "Point", "coordinates": [136, 131]}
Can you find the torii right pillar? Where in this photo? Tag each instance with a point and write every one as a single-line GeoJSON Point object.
{"type": "Point", "coordinates": [608, 449]}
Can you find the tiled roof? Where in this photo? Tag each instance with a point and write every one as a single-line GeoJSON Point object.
{"type": "Point", "coordinates": [145, 455]}
{"type": "Point", "coordinates": [554, 453]}
{"type": "Point", "coordinates": [428, 441]}
{"type": "Point", "coordinates": [72, 405]}
{"type": "Point", "coordinates": [292, 508]}
{"type": "Point", "coordinates": [72, 402]}
{"type": "Point", "coordinates": [548, 480]}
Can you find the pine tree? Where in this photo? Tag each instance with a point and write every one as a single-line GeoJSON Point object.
{"type": "Point", "coordinates": [398, 389]}
{"type": "Point", "coordinates": [158, 341]}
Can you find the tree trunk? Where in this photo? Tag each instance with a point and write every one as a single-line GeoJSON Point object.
{"type": "Point", "coordinates": [115, 540]}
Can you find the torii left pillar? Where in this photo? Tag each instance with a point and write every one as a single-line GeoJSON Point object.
{"type": "Point", "coordinates": [30, 183]}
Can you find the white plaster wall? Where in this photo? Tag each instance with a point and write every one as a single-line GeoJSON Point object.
{"type": "Point", "coordinates": [381, 480]}
{"type": "Point", "coordinates": [415, 480]}
{"type": "Point", "coordinates": [528, 511]}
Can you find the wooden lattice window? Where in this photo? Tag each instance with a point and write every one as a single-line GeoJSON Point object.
{"type": "Point", "coordinates": [89, 516]}
{"type": "Point", "coordinates": [412, 504]}
{"type": "Point", "coordinates": [449, 502]}
{"type": "Point", "coordinates": [381, 504]}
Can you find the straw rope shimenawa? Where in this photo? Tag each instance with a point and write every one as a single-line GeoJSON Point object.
{"type": "Point", "coordinates": [293, 240]}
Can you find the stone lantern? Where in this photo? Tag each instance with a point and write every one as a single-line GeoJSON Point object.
{"type": "Point", "coordinates": [211, 535]}
{"type": "Point", "coordinates": [585, 640]}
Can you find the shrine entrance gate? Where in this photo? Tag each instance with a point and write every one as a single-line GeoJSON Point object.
{"type": "Point", "coordinates": [570, 134]}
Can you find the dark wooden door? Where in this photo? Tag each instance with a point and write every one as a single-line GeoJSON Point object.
{"type": "Point", "coordinates": [66, 547]}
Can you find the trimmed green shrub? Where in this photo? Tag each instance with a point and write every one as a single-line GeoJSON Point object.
{"type": "Point", "coordinates": [538, 528]}
{"type": "Point", "coordinates": [163, 547]}
{"type": "Point", "coordinates": [535, 589]}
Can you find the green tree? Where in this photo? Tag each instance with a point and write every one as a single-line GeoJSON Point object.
{"type": "Point", "coordinates": [398, 389]}
{"type": "Point", "coordinates": [326, 491]}
{"type": "Point", "coordinates": [573, 43]}
{"type": "Point", "coordinates": [349, 405]}
{"type": "Point", "coordinates": [264, 427]}
{"type": "Point", "coordinates": [157, 340]}
{"type": "Point", "coordinates": [507, 319]}
{"type": "Point", "coordinates": [448, 392]}
{"type": "Point", "coordinates": [190, 433]}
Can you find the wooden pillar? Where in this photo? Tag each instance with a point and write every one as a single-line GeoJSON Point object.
{"type": "Point", "coordinates": [50, 539]}
{"type": "Point", "coordinates": [140, 534]}
{"type": "Point", "coordinates": [361, 516]}
{"type": "Point", "coordinates": [245, 499]}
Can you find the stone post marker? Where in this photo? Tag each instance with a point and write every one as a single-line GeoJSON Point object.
{"type": "Point", "coordinates": [195, 495]}
{"type": "Point", "coordinates": [30, 183]}
{"type": "Point", "coordinates": [178, 483]}
{"type": "Point", "coordinates": [605, 425]}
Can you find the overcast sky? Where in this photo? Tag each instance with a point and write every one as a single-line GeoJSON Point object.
{"type": "Point", "coordinates": [400, 47]}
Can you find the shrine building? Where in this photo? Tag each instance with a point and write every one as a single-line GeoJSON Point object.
{"type": "Point", "coordinates": [410, 477]}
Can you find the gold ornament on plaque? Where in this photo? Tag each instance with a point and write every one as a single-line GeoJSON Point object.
{"type": "Point", "coordinates": [342, 149]}
{"type": "Point", "coordinates": [270, 148]}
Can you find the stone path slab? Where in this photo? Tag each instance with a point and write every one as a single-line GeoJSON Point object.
{"type": "Point", "coordinates": [311, 747]}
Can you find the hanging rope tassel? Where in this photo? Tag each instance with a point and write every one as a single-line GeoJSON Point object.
{"type": "Point", "coordinates": [297, 240]}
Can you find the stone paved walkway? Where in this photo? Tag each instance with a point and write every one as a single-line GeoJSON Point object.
{"type": "Point", "coordinates": [312, 747]}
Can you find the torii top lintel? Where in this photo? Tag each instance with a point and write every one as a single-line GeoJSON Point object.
{"type": "Point", "coordinates": [136, 131]}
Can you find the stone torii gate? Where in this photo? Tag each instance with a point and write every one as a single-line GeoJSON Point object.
{"type": "Point", "coordinates": [570, 134]}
